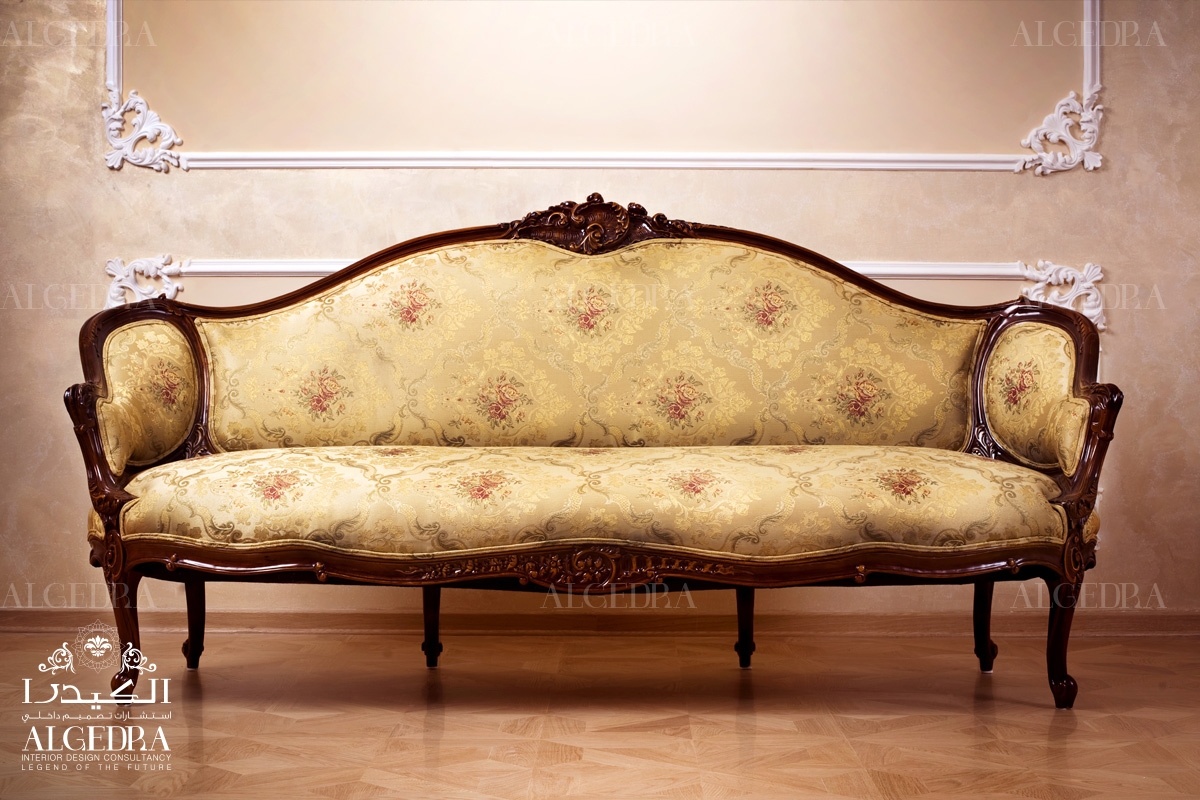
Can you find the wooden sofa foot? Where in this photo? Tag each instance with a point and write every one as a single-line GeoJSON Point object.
{"type": "Point", "coordinates": [745, 614]}
{"type": "Point", "coordinates": [431, 597]}
{"type": "Point", "coordinates": [193, 645]}
{"type": "Point", "coordinates": [1063, 598]}
{"type": "Point", "coordinates": [985, 649]}
{"type": "Point", "coordinates": [122, 591]}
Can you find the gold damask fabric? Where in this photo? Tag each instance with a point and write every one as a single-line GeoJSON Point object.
{"type": "Point", "coordinates": [1028, 396]}
{"type": "Point", "coordinates": [152, 395]}
{"type": "Point", "coordinates": [666, 342]}
{"type": "Point", "coordinates": [765, 501]}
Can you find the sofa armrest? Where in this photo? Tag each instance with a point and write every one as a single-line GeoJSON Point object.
{"type": "Point", "coordinates": [104, 486]}
{"type": "Point", "coordinates": [149, 396]}
{"type": "Point", "coordinates": [1031, 405]}
{"type": "Point", "coordinates": [1103, 401]}
{"type": "Point", "coordinates": [140, 399]}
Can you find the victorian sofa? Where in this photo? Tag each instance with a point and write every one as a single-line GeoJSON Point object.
{"type": "Point", "coordinates": [594, 398]}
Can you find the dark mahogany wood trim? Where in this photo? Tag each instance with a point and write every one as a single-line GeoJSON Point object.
{"type": "Point", "coordinates": [985, 649]}
{"type": "Point", "coordinates": [600, 565]}
{"type": "Point", "coordinates": [744, 646]}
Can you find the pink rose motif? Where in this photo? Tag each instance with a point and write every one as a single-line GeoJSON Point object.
{"type": "Point", "coordinates": [507, 394]}
{"type": "Point", "coordinates": [687, 393]}
{"type": "Point", "coordinates": [680, 400]}
{"type": "Point", "coordinates": [500, 401]}
{"type": "Point", "coordinates": [412, 304]}
{"type": "Point", "coordinates": [1018, 382]}
{"type": "Point", "coordinates": [596, 304]}
{"type": "Point", "coordinates": [905, 484]}
{"type": "Point", "coordinates": [859, 400]}
{"type": "Point", "coordinates": [484, 485]}
{"type": "Point", "coordinates": [323, 393]}
{"type": "Point", "coordinates": [274, 486]}
{"type": "Point", "coordinates": [166, 383]}
{"type": "Point", "coordinates": [591, 310]}
{"type": "Point", "coordinates": [695, 483]}
{"type": "Point", "coordinates": [767, 305]}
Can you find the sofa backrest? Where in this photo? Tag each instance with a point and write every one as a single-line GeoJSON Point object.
{"type": "Point", "coordinates": [664, 342]}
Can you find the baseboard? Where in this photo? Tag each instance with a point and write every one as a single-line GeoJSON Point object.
{"type": "Point", "coordinates": [1030, 622]}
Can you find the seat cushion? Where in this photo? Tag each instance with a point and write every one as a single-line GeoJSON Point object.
{"type": "Point", "coordinates": [786, 501]}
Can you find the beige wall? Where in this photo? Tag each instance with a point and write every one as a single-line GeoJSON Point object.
{"type": "Point", "coordinates": [65, 213]}
{"type": "Point", "coordinates": [587, 75]}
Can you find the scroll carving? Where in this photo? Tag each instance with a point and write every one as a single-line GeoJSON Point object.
{"type": "Point", "coordinates": [596, 226]}
{"type": "Point", "coordinates": [1059, 128]}
{"type": "Point", "coordinates": [595, 566]}
{"type": "Point", "coordinates": [149, 142]}
{"type": "Point", "coordinates": [1081, 291]}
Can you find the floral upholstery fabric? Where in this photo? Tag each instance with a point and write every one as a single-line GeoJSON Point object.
{"type": "Point", "coordinates": [666, 342]}
{"type": "Point", "coordinates": [152, 393]}
{"type": "Point", "coordinates": [767, 501]}
{"type": "Point", "coordinates": [1028, 396]}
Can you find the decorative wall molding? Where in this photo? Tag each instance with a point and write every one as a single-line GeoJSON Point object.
{"type": "Point", "coordinates": [147, 129]}
{"type": "Point", "coordinates": [1082, 293]}
{"type": "Point", "coordinates": [1056, 129]}
{"type": "Point", "coordinates": [478, 159]}
{"type": "Point", "coordinates": [1070, 113]}
{"type": "Point", "coordinates": [125, 279]}
{"type": "Point", "coordinates": [319, 268]}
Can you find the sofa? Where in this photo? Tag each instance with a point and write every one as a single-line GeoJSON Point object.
{"type": "Point", "coordinates": [593, 398]}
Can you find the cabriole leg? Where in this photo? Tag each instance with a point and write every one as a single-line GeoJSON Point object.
{"type": "Point", "coordinates": [193, 645]}
{"type": "Point", "coordinates": [122, 591]}
{"type": "Point", "coordinates": [745, 617]}
{"type": "Point", "coordinates": [431, 647]}
{"type": "Point", "coordinates": [1063, 597]}
{"type": "Point", "coordinates": [985, 648]}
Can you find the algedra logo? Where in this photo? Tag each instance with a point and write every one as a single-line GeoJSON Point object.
{"type": "Point", "coordinates": [125, 734]}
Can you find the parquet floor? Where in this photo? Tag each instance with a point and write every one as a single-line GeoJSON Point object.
{"type": "Point", "coordinates": [622, 716]}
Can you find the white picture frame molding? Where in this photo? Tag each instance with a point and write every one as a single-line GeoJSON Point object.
{"type": "Point", "coordinates": [1074, 123]}
{"type": "Point", "coordinates": [1081, 293]}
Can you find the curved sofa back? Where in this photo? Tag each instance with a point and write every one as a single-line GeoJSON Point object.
{"type": "Point", "coordinates": [664, 342]}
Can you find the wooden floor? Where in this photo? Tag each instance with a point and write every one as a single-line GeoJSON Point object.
{"type": "Point", "coordinates": [622, 716]}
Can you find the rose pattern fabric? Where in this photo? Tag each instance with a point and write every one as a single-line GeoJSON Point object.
{"type": "Point", "coordinates": [279, 486]}
{"type": "Point", "coordinates": [680, 400]}
{"type": "Point", "coordinates": [673, 405]}
{"type": "Point", "coordinates": [865, 395]}
{"type": "Point", "coordinates": [596, 343]}
{"type": "Point", "coordinates": [769, 307]}
{"type": "Point", "coordinates": [483, 486]}
{"type": "Point", "coordinates": [1018, 382]}
{"type": "Point", "coordinates": [152, 393]}
{"type": "Point", "coordinates": [861, 399]}
{"type": "Point", "coordinates": [501, 401]}
{"type": "Point", "coordinates": [695, 483]}
{"type": "Point", "coordinates": [166, 381]}
{"type": "Point", "coordinates": [764, 501]}
{"type": "Point", "coordinates": [323, 395]}
{"type": "Point", "coordinates": [1029, 397]}
{"type": "Point", "coordinates": [907, 485]}
{"type": "Point", "coordinates": [413, 304]}
{"type": "Point", "coordinates": [593, 310]}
